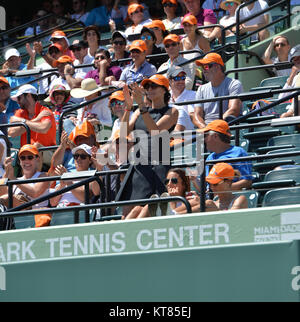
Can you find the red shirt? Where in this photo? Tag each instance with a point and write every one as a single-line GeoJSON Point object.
{"type": "Point", "coordinates": [47, 139]}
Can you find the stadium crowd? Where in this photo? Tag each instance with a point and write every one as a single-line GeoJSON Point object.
{"type": "Point", "coordinates": [124, 101]}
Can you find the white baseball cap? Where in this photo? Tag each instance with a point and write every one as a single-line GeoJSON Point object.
{"type": "Point", "coordinates": [25, 89]}
{"type": "Point", "coordinates": [83, 147]}
{"type": "Point", "coordinates": [295, 52]}
{"type": "Point", "coordinates": [11, 52]}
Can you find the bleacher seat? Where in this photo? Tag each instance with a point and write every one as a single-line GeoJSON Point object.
{"type": "Point", "coordinates": [281, 197]}
{"type": "Point", "coordinates": [251, 195]}
{"type": "Point", "coordinates": [273, 81]}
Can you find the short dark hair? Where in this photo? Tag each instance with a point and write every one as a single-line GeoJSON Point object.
{"type": "Point", "coordinates": [104, 51]}
{"type": "Point", "coordinates": [223, 137]}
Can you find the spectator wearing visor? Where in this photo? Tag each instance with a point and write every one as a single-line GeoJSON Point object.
{"type": "Point", "coordinates": [173, 46]}
{"type": "Point", "coordinates": [140, 68]}
{"type": "Point", "coordinates": [13, 64]}
{"type": "Point", "coordinates": [218, 85]}
{"type": "Point", "coordinates": [194, 39]}
{"type": "Point", "coordinates": [57, 37]}
{"type": "Point", "coordinates": [54, 52]}
{"type": "Point", "coordinates": [172, 22]}
{"type": "Point", "coordinates": [160, 32]}
{"type": "Point", "coordinates": [136, 15]}
{"type": "Point", "coordinates": [68, 76]}
{"type": "Point", "coordinates": [37, 117]}
{"type": "Point", "coordinates": [180, 94]}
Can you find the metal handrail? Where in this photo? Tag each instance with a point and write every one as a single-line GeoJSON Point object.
{"type": "Point", "coordinates": [10, 214]}
{"type": "Point", "coordinates": [28, 136]}
{"type": "Point", "coordinates": [238, 23]}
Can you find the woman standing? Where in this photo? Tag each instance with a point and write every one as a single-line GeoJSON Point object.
{"type": "Point", "coordinates": [145, 177]}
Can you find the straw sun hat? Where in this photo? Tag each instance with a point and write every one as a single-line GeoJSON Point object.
{"type": "Point", "coordinates": [88, 87]}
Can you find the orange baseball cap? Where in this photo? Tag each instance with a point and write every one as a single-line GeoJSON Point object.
{"type": "Point", "coordinates": [56, 45]}
{"type": "Point", "coordinates": [157, 79]}
{"type": "Point", "coordinates": [172, 1]}
{"type": "Point", "coordinates": [58, 34]}
{"type": "Point", "coordinates": [118, 95]}
{"type": "Point", "coordinates": [4, 80]}
{"type": "Point", "coordinates": [219, 172]}
{"type": "Point", "coordinates": [85, 129]}
{"type": "Point", "coordinates": [210, 58]}
{"type": "Point", "coordinates": [139, 45]}
{"type": "Point", "coordinates": [29, 148]}
{"type": "Point", "coordinates": [157, 23]}
{"type": "Point", "coordinates": [62, 60]}
{"type": "Point", "coordinates": [171, 37]}
{"type": "Point", "coordinates": [133, 7]}
{"type": "Point", "coordinates": [190, 19]}
{"type": "Point", "coordinates": [219, 126]}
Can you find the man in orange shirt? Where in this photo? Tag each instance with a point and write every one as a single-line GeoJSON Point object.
{"type": "Point", "coordinates": [38, 118]}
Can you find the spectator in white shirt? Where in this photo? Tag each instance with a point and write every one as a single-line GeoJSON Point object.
{"type": "Point", "coordinates": [136, 15]}
{"type": "Point", "coordinates": [255, 23]}
{"type": "Point", "coordinates": [80, 51]}
{"type": "Point", "coordinates": [281, 46]}
{"type": "Point", "coordinates": [179, 94]}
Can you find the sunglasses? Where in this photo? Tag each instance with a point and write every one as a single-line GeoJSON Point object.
{"type": "Point", "coordinates": [137, 11]}
{"type": "Point", "coordinates": [216, 184]}
{"type": "Point", "coordinates": [186, 24]}
{"type": "Point", "coordinates": [146, 37]}
{"type": "Point", "coordinates": [56, 39]}
{"type": "Point", "coordinates": [227, 4]}
{"type": "Point", "coordinates": [121, 43]}
{"type": "Point", "coordinates": [179, 78]}
{"type": "Point", "coordinates": [19, 97]}
{"type": "Point", "coordinates": [208, 66]}
{"type": "Point", "coordinates": [173, 180]}
{"type": "Point", "coordinates": [28, 157]}
{"type": "Point", "coordinates": [81, 156]}
{"type": "Point", "coordinates": [169, 4]}
{"type": "Point", "coordinates": [100, 57]}
{"type": "Point", "coordinates": [135, 51]}
{"type": "Point", "coordinates": [173, 44]}
{"type": "Point", "coordinates": [151, 85]}
{"type": "Point", "coordinates": [114, 103]}
{"type": "Point", "coordinates": [76, 49]}
{"type": "Point", "coordinates": [279, 44]}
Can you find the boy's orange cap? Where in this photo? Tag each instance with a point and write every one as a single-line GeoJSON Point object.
{"type": "Point", "coordinates": [219, 172]}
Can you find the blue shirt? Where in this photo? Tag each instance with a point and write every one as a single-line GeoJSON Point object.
{"type": "Point", "coordinates": [68, 161]}
{"type": "Point", "coordinates": [11, 107]}
{"type": "Point", "coordinates": [18, 81]}
{"type": "Point", "coordinates": [129, 75]}
{"type": "Point", "coordinates": [244, 167]}
{"type": "Point", "coordinates": [98, 16]}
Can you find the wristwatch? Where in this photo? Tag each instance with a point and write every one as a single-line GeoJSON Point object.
{"type": "Point", "coordinates": [43, 53]}
{"type": "Point", "coordinates": [143, 109]}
